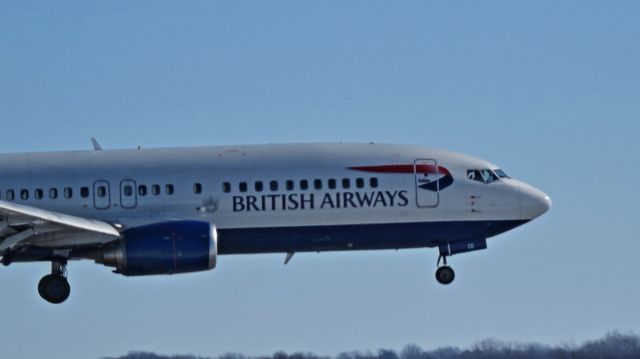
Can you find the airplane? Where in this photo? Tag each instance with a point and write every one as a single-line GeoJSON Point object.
{"type": "Point", "coordinates": [175, 210]}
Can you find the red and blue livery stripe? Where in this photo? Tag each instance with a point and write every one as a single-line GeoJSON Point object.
{"type": "Point", "coordinates": [443, 175]}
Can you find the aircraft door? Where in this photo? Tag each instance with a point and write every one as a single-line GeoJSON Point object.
{"type": "Point", "coordinates": [427, 185]}
{"type": "Point", "coordinates": [128, 194]}
{"type": "Point", "coordinates": [101, 194]}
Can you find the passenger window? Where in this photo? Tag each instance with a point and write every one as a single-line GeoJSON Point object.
{"type": "Point", "coordinates": [11, 195]}
{"type": "Point", "coordinates": [360, 182]}
{"type": "Point", "coordinates": [226, 187]}
{"type": "Point", "coordinates": [258, 186]}
{"type": "Point", "coordinates": [332, 183]}
{"type": "Point", "coordinates": [53, 193]}
{"type": "Point", "coordinates": [102, 191]}
{"type": "Point", "coordinates": [168, 189]}
{"type": "Point", "coordinates": [155, 189]}
{"type": "Point", "coordinates": [290, 185]}
{"type": "Point", "coordinates": [197, 188]}
{"type": "Point", "coordinates": [317, 184]}
{"type": "Point", "coordinates": [24, 194]}
{"type": "Point", "coordinates": [373, 182]}
{"type": "Point", "coordinates": [39, 193]}
{"type": "Point", "coordinates": [128, 190]}
{"type": "Point", "coordinates": [84, 192]}
{"type": "Point", "coordinates": [142, 190]}
{"type": "Point", "coordinates": [304, 185]}
{"type": "Point", "coordinates": [273, 186]}
{"type": "Point", "coordinates": [68, 192]}
{"type": "Point", "coordinates": [346, 183]}
{"type": "Point", "coordinates": [243, 186]}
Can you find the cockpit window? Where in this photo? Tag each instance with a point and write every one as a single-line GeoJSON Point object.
{"type": "Point", "coordinates": [488, 176]}
{"type": "Point", "coordinates": [474, 175]}
{"type": "Point", "coordinates": [485, 176]}
{"type": "Point", "coordinates": [501, 173]}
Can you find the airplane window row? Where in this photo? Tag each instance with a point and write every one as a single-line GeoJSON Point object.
{"type": "Point", "coordinates": [303, 185]}
{"type": "Point", "coordinates": [101, 192]}
{"type": "Point", "coordinates": [128, 190]}
{"type": "Point", "coordinates": [38, 193]}
{"type": "Point", "coordinates": [144, 190]}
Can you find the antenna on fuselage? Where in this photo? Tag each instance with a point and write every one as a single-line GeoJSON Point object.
{"type": "Point", "coordinates": [288, 257]}
{"type": "Point", "coordinates": [96, 145]}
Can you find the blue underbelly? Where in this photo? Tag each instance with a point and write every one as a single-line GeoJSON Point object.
{"type": "Point", "coordinates": [354, 237]}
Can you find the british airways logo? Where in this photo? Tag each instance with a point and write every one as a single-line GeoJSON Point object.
{"type": "Point", "coordinates": [429, 177]}
{"type": "Point", "coordinates": [308, 201]}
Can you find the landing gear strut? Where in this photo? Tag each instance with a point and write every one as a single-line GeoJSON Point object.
{"type": "Point", "coordinates": [445, 274]}
{"type": "Point", "coordinates": [54, 288]}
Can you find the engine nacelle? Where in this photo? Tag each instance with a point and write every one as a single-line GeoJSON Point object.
{"type": "Point", "coordinates": [451, 248]}
{"type": "Point", "coordinates": [164, 248]}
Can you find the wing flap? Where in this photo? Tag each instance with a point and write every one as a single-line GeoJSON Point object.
{"type": "Point", "coordinates": [20, 211]}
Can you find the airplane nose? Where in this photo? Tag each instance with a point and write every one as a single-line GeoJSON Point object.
{"type": "Point", "coordinates": [534, 202]}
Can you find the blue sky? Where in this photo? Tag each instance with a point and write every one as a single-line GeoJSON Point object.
{"type": "Point", "coordinates": [548, 90]}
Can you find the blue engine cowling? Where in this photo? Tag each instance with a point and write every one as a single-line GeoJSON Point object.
{"type": "Point", "coordinates": [164, 248]}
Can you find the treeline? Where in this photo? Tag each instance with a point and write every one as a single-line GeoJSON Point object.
{"type": "Point", "coordinates": [614, 345]}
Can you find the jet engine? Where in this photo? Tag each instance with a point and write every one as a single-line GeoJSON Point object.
{"type": "Point", "coordinates": [163, 248]}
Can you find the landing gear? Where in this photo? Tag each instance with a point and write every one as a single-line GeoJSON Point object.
{"type": "Point", "coordinates": [54, 288]}
{"type": "Point", "coordinates": [445, 274]}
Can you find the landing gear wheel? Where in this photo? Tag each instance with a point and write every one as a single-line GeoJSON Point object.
{"type": "Point", "coordinates": [445, 275]}
{"type": "Point", "coordinates": [54, 288]}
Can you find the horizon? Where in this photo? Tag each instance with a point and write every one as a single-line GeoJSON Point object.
{"type": "Point", "coordinates": [612, 344]}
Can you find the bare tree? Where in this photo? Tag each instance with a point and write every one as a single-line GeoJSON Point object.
{"type": "Point", "coordinates": [614, 345]}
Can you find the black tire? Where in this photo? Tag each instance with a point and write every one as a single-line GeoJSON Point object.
{"type": "Point", "coordinates": [54, 288]}
{"type": "Point", "coordinates": [445, 275]}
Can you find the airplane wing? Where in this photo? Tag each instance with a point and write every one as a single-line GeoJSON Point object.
{"type": "Point", "coordinates": [19, 223]}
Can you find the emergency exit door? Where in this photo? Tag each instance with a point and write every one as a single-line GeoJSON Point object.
{"type": "Point", "coordinates": [427, 184]}
{"type": "Point", "coordinates": [128, 194]}
{"type": "Point", "coordinates": [101, 194]}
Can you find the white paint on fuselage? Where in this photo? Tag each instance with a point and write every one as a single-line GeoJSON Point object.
{"type": "Point", "coordinates": [464, 200]}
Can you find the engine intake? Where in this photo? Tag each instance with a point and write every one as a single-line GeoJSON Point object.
{"type": "Point", "coordinates": [164, 248]}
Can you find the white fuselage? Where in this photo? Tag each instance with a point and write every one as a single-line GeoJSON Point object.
{"type": "Point", "coordinates": [257, 194]}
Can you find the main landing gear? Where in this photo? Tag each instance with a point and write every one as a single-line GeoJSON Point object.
{"type": "Point", "coordinates": [445, 274]}
{"type": "Point", "coordinates": [54, 288]}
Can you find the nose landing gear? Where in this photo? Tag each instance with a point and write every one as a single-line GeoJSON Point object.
{"type": "Point", "coordinates": [445, 274]}
{"type": "Point", "coordinates": [54, 288]}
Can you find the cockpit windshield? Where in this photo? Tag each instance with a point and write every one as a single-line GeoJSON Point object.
{"type": "Point", "coordinates": [501, 173]}
{"type": "Point", "coordinates": [485, 175]}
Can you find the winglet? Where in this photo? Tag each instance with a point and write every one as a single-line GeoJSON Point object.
{"type": "Point", "coordinates": [96, 145]}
